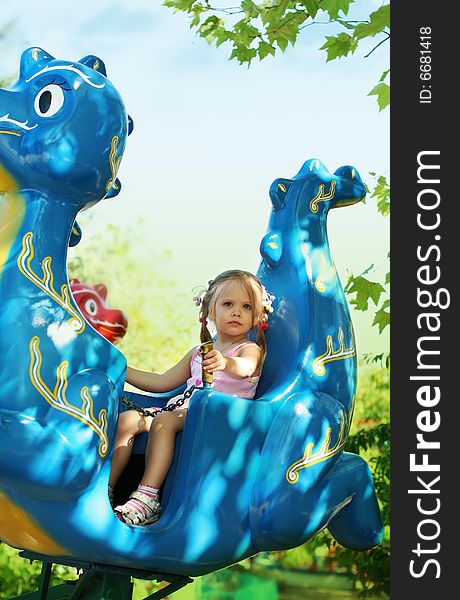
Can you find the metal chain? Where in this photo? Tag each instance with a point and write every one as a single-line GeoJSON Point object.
{"type": "Point", "coordinates": [149, 413]}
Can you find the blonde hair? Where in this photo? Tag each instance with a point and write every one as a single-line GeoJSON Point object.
{"type": "Point", "coordinates": [253, 288]}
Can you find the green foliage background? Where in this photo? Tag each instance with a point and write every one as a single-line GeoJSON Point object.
{"type": "Point", "coordinates": [162, 319]}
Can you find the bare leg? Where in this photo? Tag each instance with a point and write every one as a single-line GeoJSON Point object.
{"type": "Point", "coordinates": [160, 447]}
{"type": "Point", "coordinates": [143, 506]}
{"type": "Point", "coordinates": [130, 424]}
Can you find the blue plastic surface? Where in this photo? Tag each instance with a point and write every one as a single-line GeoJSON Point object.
{"type": "Point", "coordinates": [252, 475]}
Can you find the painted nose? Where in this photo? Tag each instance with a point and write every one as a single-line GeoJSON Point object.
{"type": "Point", "coordinates": [12, 112]}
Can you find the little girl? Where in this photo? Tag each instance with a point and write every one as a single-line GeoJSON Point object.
{"type": "Point", "coordinates": [236, 302]}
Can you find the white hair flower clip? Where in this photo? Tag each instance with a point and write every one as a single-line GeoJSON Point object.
{"type": "Point", "coordinates": [267, 300]}
{"type": "Point", "coordinates": [198, 299]}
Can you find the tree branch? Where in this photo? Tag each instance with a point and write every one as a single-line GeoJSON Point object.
{"type": "Point", "coordinates": [331, 21]}
{"type": "Point", "coordinates": [379, 44]}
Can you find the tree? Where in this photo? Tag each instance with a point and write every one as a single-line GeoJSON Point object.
{"type": "Point", "coordinates": [257, 30]}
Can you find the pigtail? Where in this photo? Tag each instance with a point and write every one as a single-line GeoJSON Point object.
{"type": "Point", "coordinates": [205, 336]}
{"type": "Point", "coordinates": [267, 304]}
{"type": "Point", "coordinates": [262, 343]}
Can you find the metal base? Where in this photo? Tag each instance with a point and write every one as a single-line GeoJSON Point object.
{"type": "Point", "coordinates": [98, 582]}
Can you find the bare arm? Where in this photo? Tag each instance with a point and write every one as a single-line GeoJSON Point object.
{"type": "Point", "coordinates": [161, 382]}
{"type": "Point", "coordinates": [245, 364]}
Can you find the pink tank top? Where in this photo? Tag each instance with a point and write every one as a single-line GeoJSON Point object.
{"type": "Point", "coordinates": [222, 382]}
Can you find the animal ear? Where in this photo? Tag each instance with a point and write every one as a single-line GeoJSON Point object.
{"type": "Point", "coordinates": [32, 61]}
{"type": "Point", "coordinates": [130, 125]}
{"type": "Point", "coordinates": [101, 290]}
{"type": "Point", "coordinates": [93, 62]}
{"type": "Point", "coordinates": [75, 235]}
{"type": "Point", "coordinates": [278, 192]}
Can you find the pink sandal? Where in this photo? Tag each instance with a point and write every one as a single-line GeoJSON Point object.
{"type": "Point", "coordinates": [140, 509]}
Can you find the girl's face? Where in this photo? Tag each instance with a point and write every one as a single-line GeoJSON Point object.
{"type": "Point", "coordinates": [234, 311]}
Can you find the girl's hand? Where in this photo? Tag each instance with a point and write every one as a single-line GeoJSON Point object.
{"type": "Point", "coordinates": [214, 361]}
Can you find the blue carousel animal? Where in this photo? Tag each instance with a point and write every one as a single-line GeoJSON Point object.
{"type": "Point", "coordinates": [63, 128]}
{"type": "Point", "coordinates": [278, 473]}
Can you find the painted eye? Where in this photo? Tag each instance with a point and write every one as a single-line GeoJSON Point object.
{"type": "Point", "coordinates": [49, 100]}
{"type": "Point", "coordinates": [91, 307]}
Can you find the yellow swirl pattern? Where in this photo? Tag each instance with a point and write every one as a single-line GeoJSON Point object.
{"type": "Point", "coordinates": [321, 196]}
{"type": "Point", "coordinates": [327, 273]}
{"type": "Point", "coordinates": [57, 397]}
{"type": "Point", "coordinates": [325, 452]}
{"type": "Point", "coordinates": [46, 283]}
{"type": "Point", "coordinates": [114, 162]}
{"type": "Point", "coordinates": [330, 355]}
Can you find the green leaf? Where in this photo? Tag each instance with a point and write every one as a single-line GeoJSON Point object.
{"type": "Point", "coordinates": [379, 21]}
{"type": "Point", "coordinates": [382, 194]}
{"type": "Point", "coordinates": [245, 33]}
{"type": "Point", "coordinates": [243, 54]}
{"type": "Point", "coordinates": [382, 318]}
{"type": "Point", "coordinates": [383, 359]}
{"type": "Point", "coordinates": [333, 7]}
{"type": "Point", "coordinates": [286, 28]}
{"type": "Point", "coordinates": [282, 43]}
{"type": "Point", "coordinates": [207, 26]}
{"type": "Point", "coordinates": [384, 75]}
{"type": "Point", "coordinates": [278, 9]}
{"type": "Point", "coordinates": [222, 35]}
{"type": "Point", "coordinates": [339, 45]}
{"type": "Point", "coordinates": [265, 14]}
{"type": "Point", "coordinates": [387, 278]}
{"type": "Point", "coordinates": [213, 30]}
{"type": "Point", "coordinates": [265, 49]}
{"type": "Point", "coordinates": [249, 8]}
{"type": "Point", "coordinates": [312, 7]}
{"type": "Point", "coordinates": [177, 5]}
{"type": "Point", "coordinates": [288, 32]}
{"type": "Point", "coordinates": [382, 91]}
{"type": "Point", "coordinates": [365, 290]}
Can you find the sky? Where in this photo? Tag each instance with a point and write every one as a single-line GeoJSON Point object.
{"type": "Point", "coordinates": [210, 135]}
